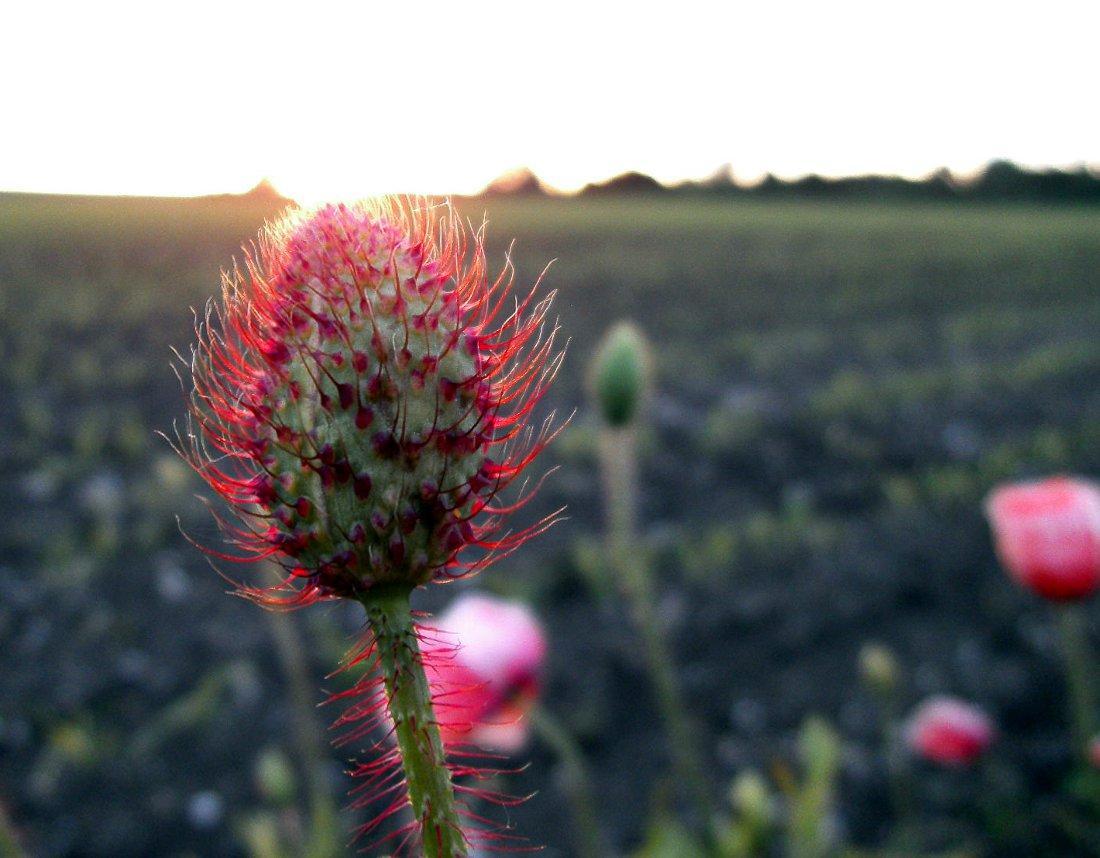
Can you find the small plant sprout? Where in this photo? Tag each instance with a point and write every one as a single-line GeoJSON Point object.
{"type": "Point", "coordinates": [362, 395]}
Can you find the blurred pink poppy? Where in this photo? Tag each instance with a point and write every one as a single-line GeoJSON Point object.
{"type": "Point", "coordinates": [950, 732]}
{"type": "Point", "coordinates": [1094, 752]}
{"type": "Point", "coordinates": [1048, 535]}
{"type": "Point", "coordinates": [483, 659]}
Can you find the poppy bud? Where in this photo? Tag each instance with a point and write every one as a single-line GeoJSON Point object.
{"type": "Point", "coordinates": [621, 375]}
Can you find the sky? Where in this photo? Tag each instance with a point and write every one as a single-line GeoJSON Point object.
{"type": "Point", "coordinates": [338, 100]}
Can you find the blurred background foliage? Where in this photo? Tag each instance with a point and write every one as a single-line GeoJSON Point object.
{"type": "Point", "coordinates": [837, 385]}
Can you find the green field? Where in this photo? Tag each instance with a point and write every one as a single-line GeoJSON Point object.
{"type": "Point", "coordinates": [838, 387]}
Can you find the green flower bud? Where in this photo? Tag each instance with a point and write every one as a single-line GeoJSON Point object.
{"type": "Point", "coordinates": [275, 776]}
{"type": "Point", "coordinates": [620, 374]}
{"type": "Point", "coordinates": [878, 667]}
{"type": "Point", "coordinates": [751, 797]}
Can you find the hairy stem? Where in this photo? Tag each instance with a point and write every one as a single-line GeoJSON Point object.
{"type": "Point", "coordinates": [631, 569]}
{"type": "Point", "coordinates": [590, 842]}
{"type": "Point", "coordinates": [1082, 692]}
{"type": "Point", "coordinates": [431, 794]}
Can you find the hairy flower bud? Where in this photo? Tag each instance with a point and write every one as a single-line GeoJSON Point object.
{"type": "Point", "coordinates": [363, 396]}
{"type": "Point", "coordinates": [620, 374]}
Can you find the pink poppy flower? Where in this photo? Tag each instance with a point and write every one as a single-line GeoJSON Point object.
{"type": "Point", "coordinates": [950, 732]}
{"type": "Point", "coordinates": [1048, 535]}
{"type": "Point", "coordinates": [483, 658]}
{"type": "Point", "coordinates": [1094, 752]}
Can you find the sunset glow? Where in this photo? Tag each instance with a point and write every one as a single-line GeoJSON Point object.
{"type": "Point", "coordinates": [349, 99]}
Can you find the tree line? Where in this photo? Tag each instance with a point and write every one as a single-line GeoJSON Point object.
{"type": "Point", "coordinates": [1000, 181]}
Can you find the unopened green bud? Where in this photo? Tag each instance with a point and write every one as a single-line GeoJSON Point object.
{"type": "Point", "coordinates": [751, 797]}
{"type": "Point", "coordinates": [275, 776]}
{"type": "Point", "coordinates": [820, 747]}
{"type": "Point", "coordinates": [620, 374]}
{"type": "Point", "coordinates": [878, 667]}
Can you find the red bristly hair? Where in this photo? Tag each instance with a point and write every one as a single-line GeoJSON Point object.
{"type": "Point", "coordinates": [329, 318]}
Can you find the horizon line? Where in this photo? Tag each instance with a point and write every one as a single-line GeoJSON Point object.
{"type": "Point", "coordinates": [723, 174]}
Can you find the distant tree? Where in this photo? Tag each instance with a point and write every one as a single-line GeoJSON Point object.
{"type": "Point", "coordinates": [723, 175]}
{"type": "Point", "coordinates": [265, 190]}
{"type": "Point", "coordinates": [812, 185]}
{"type": "Point", "coordinates": [942, 184]}
{"type": "Point", "coordinates": [721, 180]}
{"type": "Point", "coordinates": [1000, 181]}
{"type": "Point", "coordinates": [1077, 185]}
{"type": "Point", "coordinates": [769, 186]}
{"type": "Point", "coordinates": [521, 182]}
{"type": "Point", "coordinates": [627, 183]}
{"type": "Point", "coordinates": [1004, 180]}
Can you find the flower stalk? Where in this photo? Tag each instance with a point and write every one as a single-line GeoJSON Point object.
{"type": "Point", "coordinates": [9, 842]}
{"type": "Point", "coordinates": [1082, 692]}
{"type": "Point", "coordinates": [325, 829]}
{"type": "Point", "coordinates": [578, 787]}
{"type": "Point", "coordinates": [618, 457]}
{"type": "Point", "coordinates": [430, 791]}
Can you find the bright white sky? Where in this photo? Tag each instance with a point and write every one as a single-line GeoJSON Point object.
{"type": "Point", "coordinates": [338, 100]}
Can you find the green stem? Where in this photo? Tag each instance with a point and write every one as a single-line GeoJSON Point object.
{"type": "Point", "coordinates": [325, 833]}
{"type": "Point", "coordinates": [618, 455]}
{"type": "Point", "coordinates": [897, 773]}
{"type": "Point", "coordinates": [578, 784]}
{"type": "Point", "coordinates": [431, 793]}
{"type": "Point", "coordinates": [1079, 680]}
{"type": "Point", "coordinates": [9, 843]}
